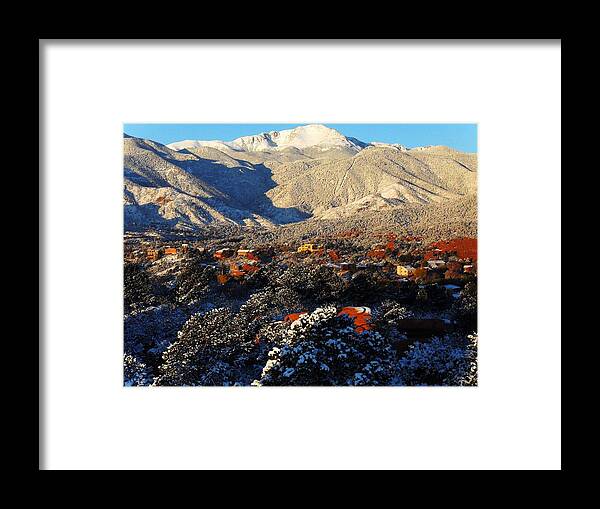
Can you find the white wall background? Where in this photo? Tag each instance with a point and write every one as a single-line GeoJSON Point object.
{"type": "Point", "coordinates": [512, 420]}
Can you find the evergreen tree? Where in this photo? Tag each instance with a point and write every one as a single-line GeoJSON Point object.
{"type": "Point", "coordinates": [139, 289]}
{"type": "Point", "coordinates": [442, 361]}
{"type": "Point", "coordinates": [318, 284]}
{"type": "Point", "coordinates": [200, 354]}
{"type": "Point", "coordinates": [323, 349]}
{"type": "Point", "coordinates": [194, 281]}
{"type": "Point", "coordinates": [219, 347]}
{"type": "Point", "coordinates": [134, 372]}
{"type": "Point", "coordinates": [150, 331]}
{"type": "Point", "coordinates": [465, 308]}
{"type": "Point", "coordinates": [470, 378]}
{"type": "Point", "coordinates": [386, 320]}
{"type": "Point", "coordinates": [365, 287]}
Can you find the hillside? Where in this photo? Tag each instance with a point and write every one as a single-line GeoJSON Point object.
{"type": "Point", "coordinates": [277, 178]}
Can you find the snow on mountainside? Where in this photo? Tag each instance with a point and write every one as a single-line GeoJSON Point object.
{"type": "Point", "coordinates": [284, 177]}
{"type": "Point", "coordinates": [166, 188]}
{"type": "Point", "coordinates": [302, 137]}
{"type": "Point", "coordinates": [375, 178]}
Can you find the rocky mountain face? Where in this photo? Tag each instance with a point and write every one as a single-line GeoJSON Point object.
{"type": "Point", "coordinates": [284, 177]}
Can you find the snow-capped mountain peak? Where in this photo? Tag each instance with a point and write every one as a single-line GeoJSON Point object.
{"type": "Point", "coordinates": [302, 137]}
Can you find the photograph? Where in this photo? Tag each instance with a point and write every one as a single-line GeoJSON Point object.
{"type": "Point", "coordinates": [300, 254]}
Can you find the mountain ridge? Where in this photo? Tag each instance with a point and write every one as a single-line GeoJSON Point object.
{"type": "Point", "coordinates": [265, 181]}
{"type": "Point", "coordinates": [300, 137]}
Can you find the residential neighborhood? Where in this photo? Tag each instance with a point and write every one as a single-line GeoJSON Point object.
{"type": "Point", "coordinates": [397, 288]}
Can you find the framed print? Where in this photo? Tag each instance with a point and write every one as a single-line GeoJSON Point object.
{"type": "Point", "coordinates": [289, 255]}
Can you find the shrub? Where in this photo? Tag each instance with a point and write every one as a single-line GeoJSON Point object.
{"type": "Point", "coordinates": [441, 361]}
{"type": "Point", "coordinates": [321, 348]}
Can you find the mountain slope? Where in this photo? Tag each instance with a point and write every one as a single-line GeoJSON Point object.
{"type": "Point", "coordinates": [166, 188]}
{"type": "Point", "coordinates": [377, 177]}
{"type": "Point", "coordinates": [283, 177]}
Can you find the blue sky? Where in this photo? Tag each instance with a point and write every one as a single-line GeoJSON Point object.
{"type": "Point", "coordinates": [459, 136]}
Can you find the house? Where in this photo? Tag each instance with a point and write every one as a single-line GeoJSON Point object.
{"type": "Point", "coordinates": [250, 254]}
{"type": "Point", "coordinates": [292, 317]}
{"type": "Point", "coordinates": [153, 254]}
{"type": "Point", "coordinates": [461, 247]}
{"type": "Point", "coordinates": [236, 272]}
{"type": "Point", "coordinates": [434, 254]}
{"type": "Point", "coordinates": [334, 255]}
{"type": "Point", "coordinates": [170, 250]}
{"type": "Point", "coordinates": [361, 316]}
{"type": "Point", "coordinates": [310, 248]}
{"type": "Point", "coordinates": [404, 270]}
{"type": "Point", "coordinates": [378, 254]}
{"type": "Point", "coordinates": [436, 264]}
{"type": "Point", "coordinates": [250, 267]}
